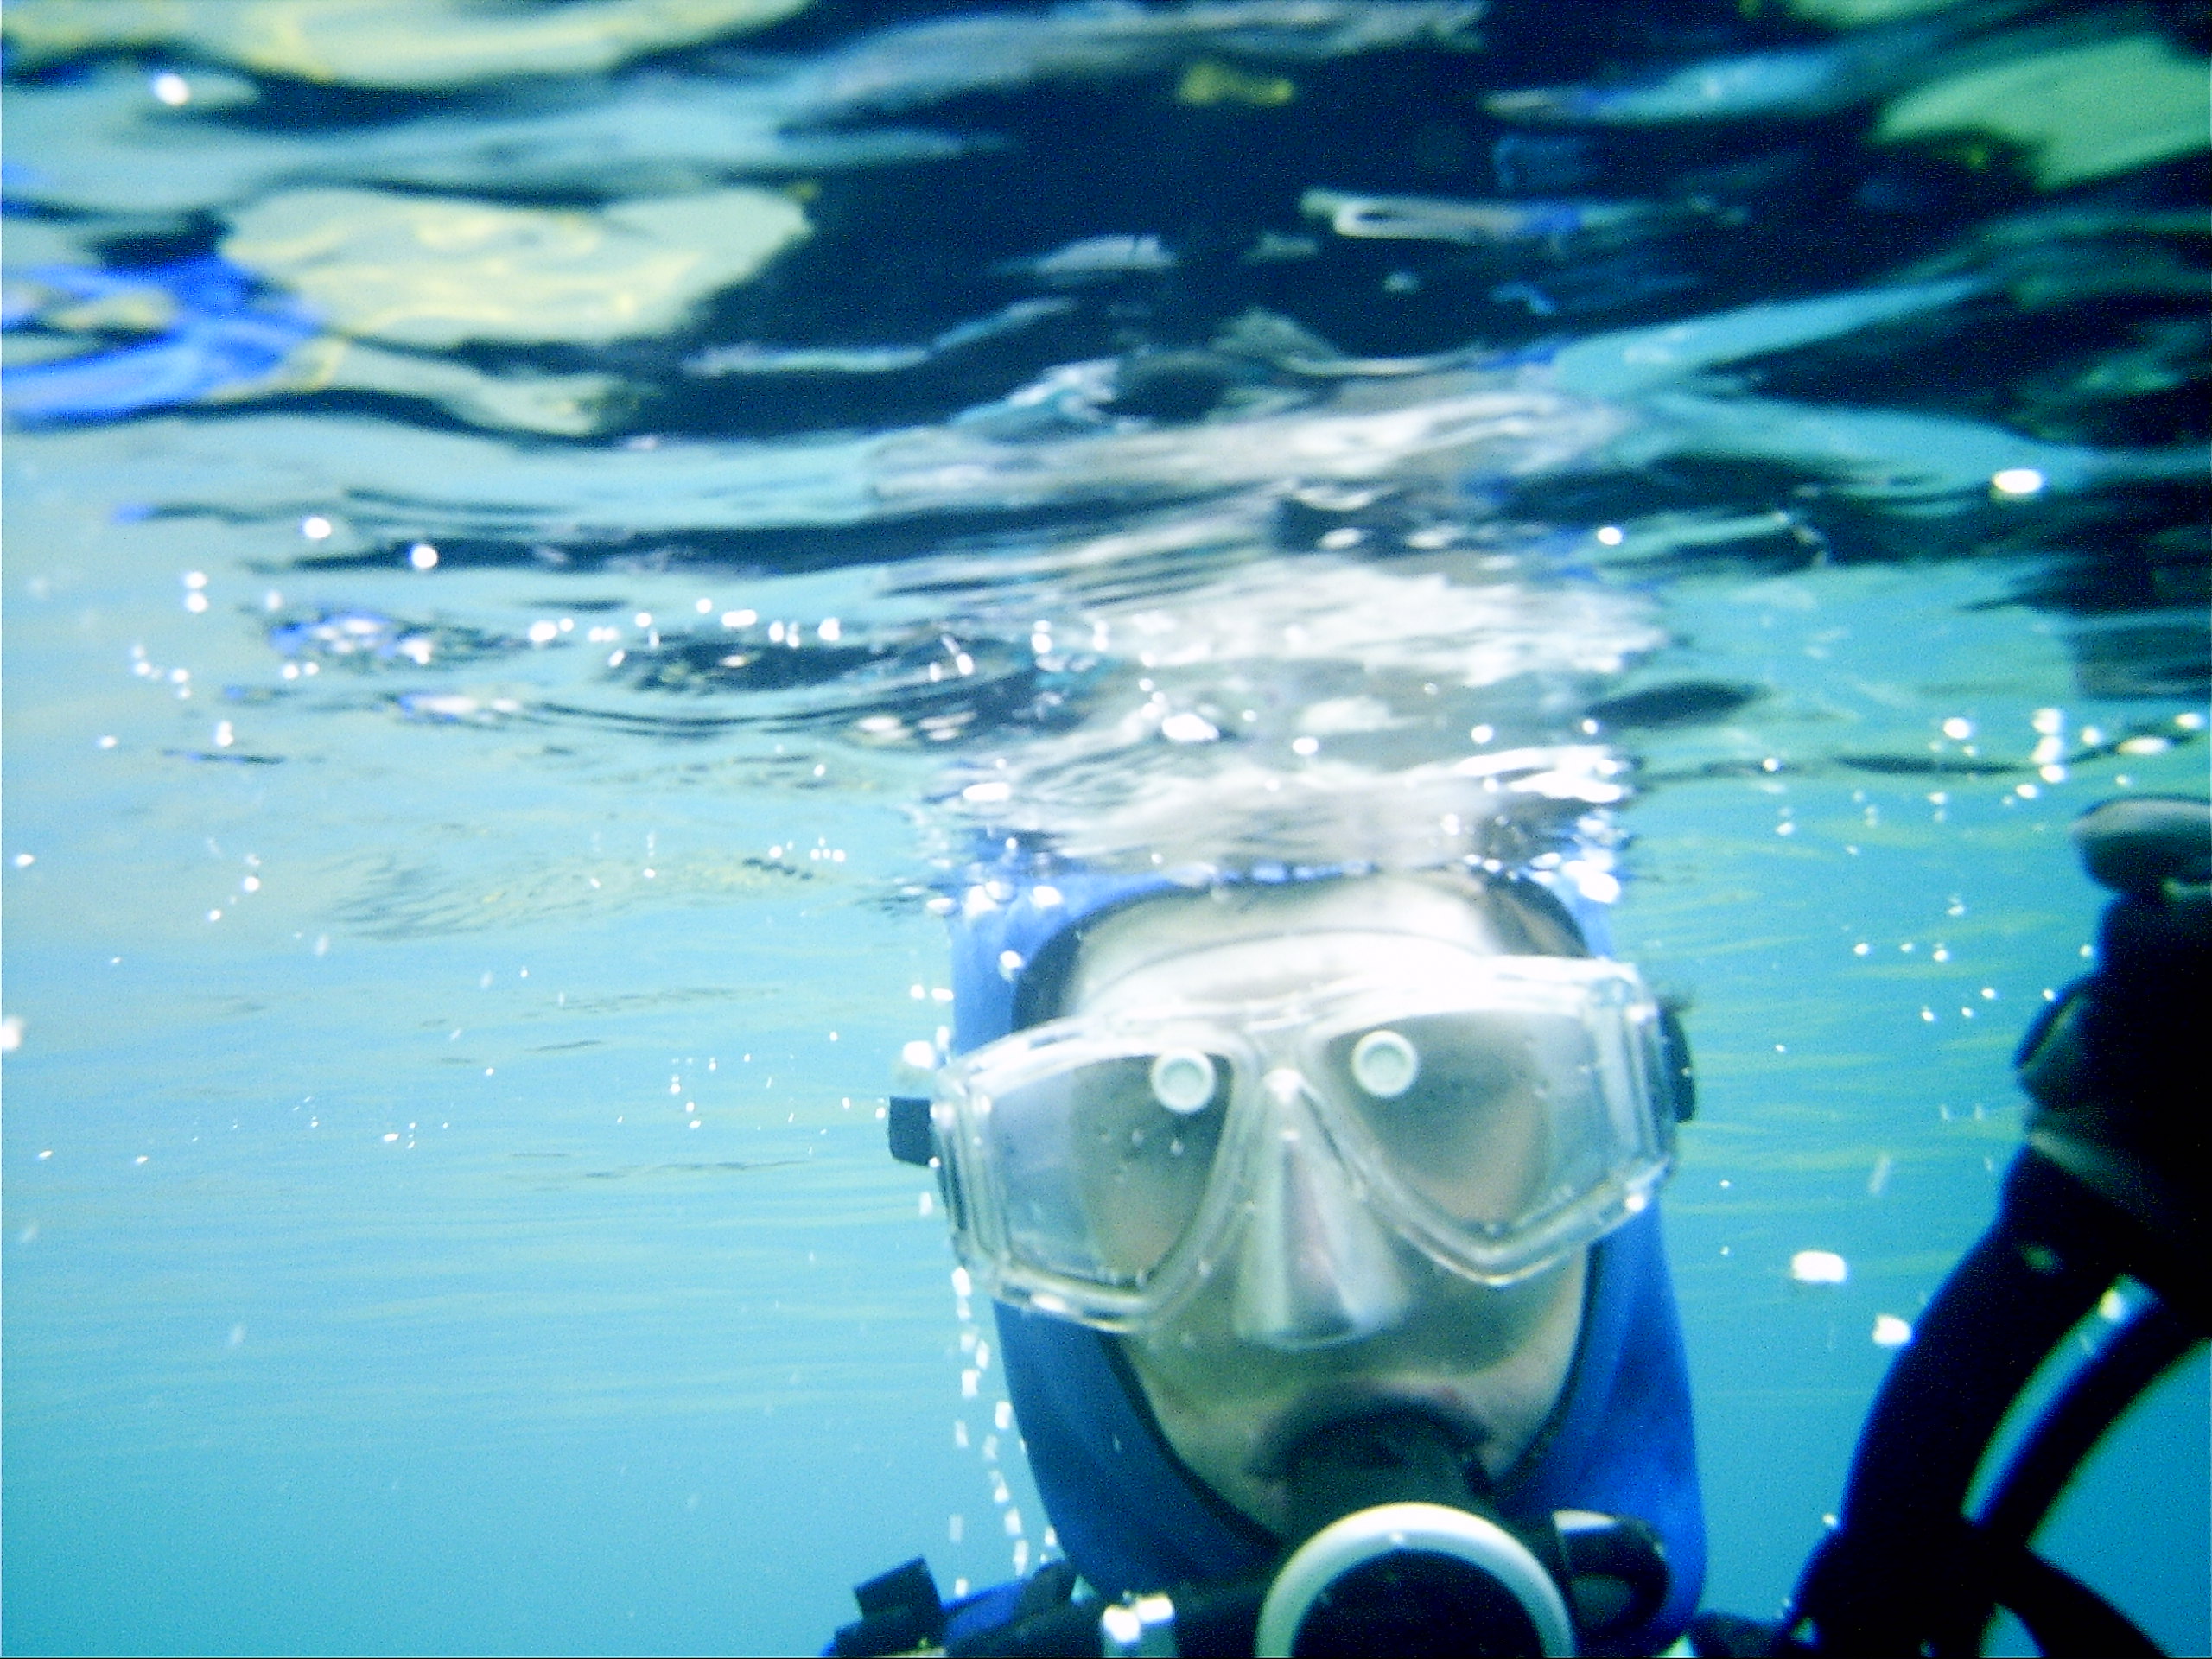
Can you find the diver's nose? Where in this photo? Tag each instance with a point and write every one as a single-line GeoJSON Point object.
{"type": "Point", "coordinates": [1313, 1268]}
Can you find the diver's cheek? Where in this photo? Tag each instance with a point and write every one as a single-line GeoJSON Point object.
{"type": "Point", "coordinates": [1514, 1392]}
{"type": "Point", "coordinates": [1469, 1327]}
{"type": "Point", "coordinates": [1219, 1442]}
{"type": "Point", "coordinates": [1215, 1400]}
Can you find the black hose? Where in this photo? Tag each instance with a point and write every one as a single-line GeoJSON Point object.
{"type": "Point", "coordinates": [2093, 1401]}
{"type": "Point", "coordinates": [2068, 1619]}
{"type": "Point", "coordinates": [1898, 1573]}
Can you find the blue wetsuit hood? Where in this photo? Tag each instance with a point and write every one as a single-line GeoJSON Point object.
{"type": "Point", "coordinates": [1131, 1517]}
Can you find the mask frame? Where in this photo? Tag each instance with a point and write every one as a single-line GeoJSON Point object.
{"type": "Point", "coordinates": [1629, 1073]}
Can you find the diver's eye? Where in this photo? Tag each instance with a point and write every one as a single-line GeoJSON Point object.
{"type": "Point", "coordinates": [1182, 1080]}
{"type": "Point", "coordinates": [1384, 1065]}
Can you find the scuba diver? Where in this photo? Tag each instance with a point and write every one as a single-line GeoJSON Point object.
{"type": "Point", "coordinates": [1318, 1212]}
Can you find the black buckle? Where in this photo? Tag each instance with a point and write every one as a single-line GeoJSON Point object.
{"type": "Point", "coordinates": [900, 1611]}
{"type": "Point", "coordinates": [908, 1122]}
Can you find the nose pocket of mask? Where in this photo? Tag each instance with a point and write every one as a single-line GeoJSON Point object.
{"type": "Point", "coordinates": [1313, 1267]}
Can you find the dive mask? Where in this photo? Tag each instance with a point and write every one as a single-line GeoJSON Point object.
{"type": "Point", "coordinates": [1495, 1112]}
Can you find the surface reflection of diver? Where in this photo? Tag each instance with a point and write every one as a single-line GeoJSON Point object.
{"type": "Point", "coordinates": [1331, 1299]}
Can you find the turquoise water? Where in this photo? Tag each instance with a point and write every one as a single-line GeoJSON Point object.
{"type": "Point", "coordinates": [476, 771]}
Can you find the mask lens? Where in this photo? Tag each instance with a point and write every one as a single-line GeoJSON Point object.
{"type": "Point", "coordinates": [1498, 1121]}
{"type": "Point", "coordinates": [1103, 1165]}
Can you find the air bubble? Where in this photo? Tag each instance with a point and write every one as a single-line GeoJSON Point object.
{"type": "Point", "coordinates": [1818, 1267]}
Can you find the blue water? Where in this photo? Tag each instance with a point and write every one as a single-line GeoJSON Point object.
{"type": "Point", "coordinates": [479, 752]}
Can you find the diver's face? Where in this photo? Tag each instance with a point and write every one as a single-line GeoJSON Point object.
{"type": "Point", "coordinates": [1249, 1366]}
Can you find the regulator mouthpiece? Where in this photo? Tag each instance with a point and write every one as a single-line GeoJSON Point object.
{"type": "Point", "coordinates": [1401, 1557]}
{"type": "Point", "coordinates": [1413, 1578]}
